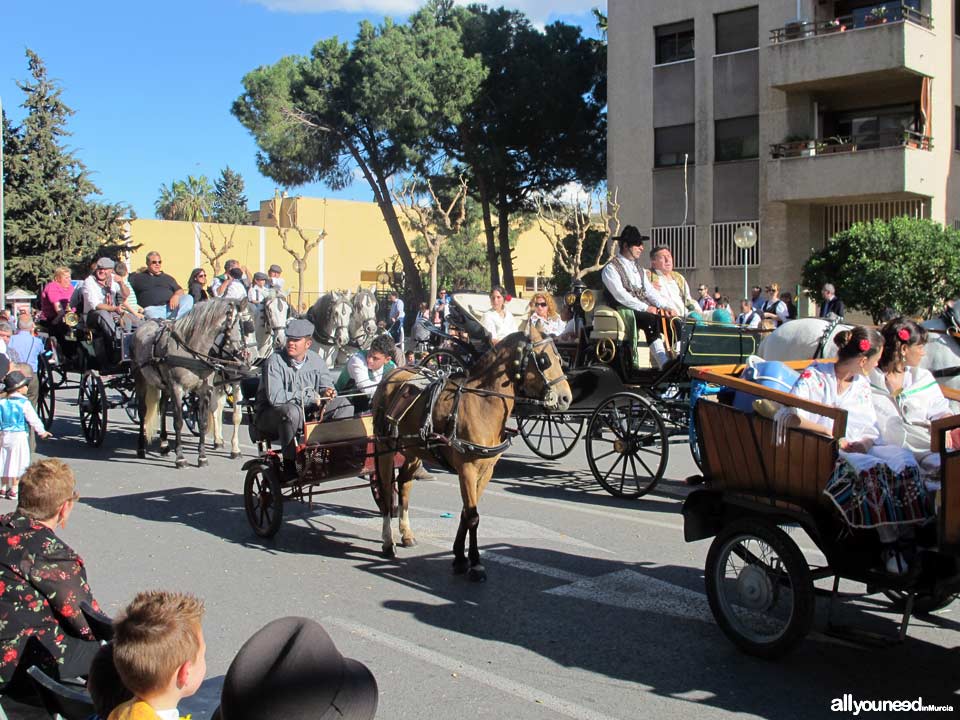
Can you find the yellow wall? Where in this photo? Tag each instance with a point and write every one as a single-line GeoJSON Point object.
{"type": "Point", "coordinates": [357, 242]}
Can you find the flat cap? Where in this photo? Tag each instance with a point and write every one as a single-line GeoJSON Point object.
{"type": "Point", "coordinates": [260, 276]}
{"type": "Point", "coordinates": [105, 263]}
{"type": "Point", "coordinates": [275, 268]}
{"type": "Point", "coordinates": [299, 328]}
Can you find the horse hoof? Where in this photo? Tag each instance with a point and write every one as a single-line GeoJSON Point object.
{"type": "Point", "coordinates": [202, 462]}
{"type": "Point", "coordinates": [389, 552]}
{"type": "Point", "coordinates": [235, 455]}
{"type": "Point", "coordinates": [164, 449]}
{"type": "Point", "coordinates": [477, 574]}
{"type": "Point", "coordinates": [141, 454]}
{"type": "Point", "coordinates": [219, 446]}
{"type": "Point", "coordinates": [408, 541]}
{"type": "Point", "coordinates": [181, 464]}
{"type": "Point", "coordinates": [459, 566]}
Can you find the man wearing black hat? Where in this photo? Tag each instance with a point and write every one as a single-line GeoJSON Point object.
{"type": "Point", "coordinates": [625, 286]}
{"type": "Point", "coordinates": [291, 381]}
{"type": "Point", "coordinates": [291, 670]}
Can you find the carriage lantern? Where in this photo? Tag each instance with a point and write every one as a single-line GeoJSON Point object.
{"type": "Point", "coordinates": [580, 299]}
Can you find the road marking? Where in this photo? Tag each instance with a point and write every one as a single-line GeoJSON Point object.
{"type": "Point", "coordinates": [512, 687]}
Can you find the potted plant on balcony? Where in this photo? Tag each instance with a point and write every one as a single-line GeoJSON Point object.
{"type": "Point", "coordinates": [834, 26]}
{"type": "Point", "coordinates": [877, 16]}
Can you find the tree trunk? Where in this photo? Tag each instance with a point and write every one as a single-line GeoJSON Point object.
{"type": "Point", "coordinates": [492, 258]}
{"type": "Point", "coordinates": [506, 257]}
{"type": "Point", "coordinates": [434, 261]}
{"type": "Point", "coordinates": [412, 279]}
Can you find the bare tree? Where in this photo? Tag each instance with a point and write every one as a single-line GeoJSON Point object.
{"type": "Point", "coordinates": [567, 225]}
{"type": "Point", "coordinates": [427, 215]}
{"type": "Point", "coordinates": [299, 256]}
{"type": "Point", "coordinates": [215, 248]}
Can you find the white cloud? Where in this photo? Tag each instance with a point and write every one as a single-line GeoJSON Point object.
{"type": "Point", "coordinates": [538, 10]}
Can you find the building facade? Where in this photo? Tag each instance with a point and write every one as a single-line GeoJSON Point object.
{"type": "Point", "coordinates": [794, 117]}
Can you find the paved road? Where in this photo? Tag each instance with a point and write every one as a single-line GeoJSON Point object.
{"type": "Point", "coordinates": [594, 607]}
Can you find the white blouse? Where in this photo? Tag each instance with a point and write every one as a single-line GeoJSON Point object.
{"type": "Point", "coordinates": [499, 326]}
{"type": "Point", "coordinates": [548, 326]}
{"type": "Point", "coordinates": [904, 418]}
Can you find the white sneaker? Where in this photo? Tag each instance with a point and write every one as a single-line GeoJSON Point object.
{"type": "Point", "coordinates": [894, 563]}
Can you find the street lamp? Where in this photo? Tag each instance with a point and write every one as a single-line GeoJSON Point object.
{"type": "Point", "coordinates": [745, 237]}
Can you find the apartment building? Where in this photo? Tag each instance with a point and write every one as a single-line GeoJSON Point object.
{"type": "Point", "coordinates": [793, 117]}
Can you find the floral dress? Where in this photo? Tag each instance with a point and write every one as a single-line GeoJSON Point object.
{"type": "Point", "coordinates": [42, 583]}
{"type": "Point", "coordinates": [880, 487]}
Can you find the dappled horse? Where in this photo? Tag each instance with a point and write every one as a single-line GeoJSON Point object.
{"type": "Point", "coordinates": [363, 320]}
{"type": "Point", "coordinates": [806, 338]}
{"type": "Point", "coordinates": [271, 324]}
{"type": "Point", "coordinates": [461, 422]}
{"type": "Point", "coordinates": [330, 316]}
{"type": "Point", "coordinates": [176, 357]}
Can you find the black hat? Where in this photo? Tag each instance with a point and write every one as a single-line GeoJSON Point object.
{"type": "Point", "coordinates": [291, 670]}
{"type": "Point", "coordinates": [631, 236]}
{"type": "Point", "coordinates": [15, 380]}
{"type": "Point", "coordinates": [299, 328]}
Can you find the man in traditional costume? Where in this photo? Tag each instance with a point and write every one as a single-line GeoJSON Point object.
{"type": "Point", "coordinates": [667, 285]}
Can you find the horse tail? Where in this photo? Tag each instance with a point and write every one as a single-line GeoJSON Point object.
{"type": "Point", "coordinates": [151, 418]}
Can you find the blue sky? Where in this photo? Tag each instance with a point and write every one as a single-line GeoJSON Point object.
{"type": "Point", "coordinates": [152, 83]}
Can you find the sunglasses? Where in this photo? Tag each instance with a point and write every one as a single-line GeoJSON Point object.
{"type": "Point", "coordinates": [540, 304]}
{"type": "Point", "coordinates": [156, 262]}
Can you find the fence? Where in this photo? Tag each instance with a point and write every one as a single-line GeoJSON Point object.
{"type": "Point", "coordinates": [724, 252]}
{"type": "Point", "coordinates": [837, 218]}
{"type": "Point", "coordinates": [682, 241]}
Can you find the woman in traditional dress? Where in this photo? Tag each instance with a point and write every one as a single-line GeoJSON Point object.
{"type": "Point", "coordinates": [906, 397]}
{"type": "Point", "coordinates": [873, 485]}
{"type": "Point", "coordinates": [544, 315]}
{"type": "Point", "coordinates": [498, 321]}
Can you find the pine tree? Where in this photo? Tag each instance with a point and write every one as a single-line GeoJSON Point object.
{"type": "Point", "coordinates": [229, 203]}
{"type": "Point", "coordinates": [50, 219]}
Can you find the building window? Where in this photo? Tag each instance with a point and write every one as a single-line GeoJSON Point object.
{"type": "Point", "coordinates": [956, 126]}
{"type": "Point", "coordinates": [674, 42]}
{"type": "Point", "coordinates": [673, 145]}
{"type": "Point", "coordinates": [956, 17]}
{"type": "Point", "coordinates": [737, 138]}
{"type": "Point", "coordinates": [737, 30]}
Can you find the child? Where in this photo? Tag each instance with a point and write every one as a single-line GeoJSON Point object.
{"type": "Point", "coordinates": [159, 654]}
{"type": "Point", "coordinates": [258, 291]}
{"type": "Point", "coordinates": [17, 416]}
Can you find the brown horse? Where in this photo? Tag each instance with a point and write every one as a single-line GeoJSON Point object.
{"type": "Point", "coordinates": [465, 429]}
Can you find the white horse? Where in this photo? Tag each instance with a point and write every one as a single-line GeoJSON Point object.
{"type": "Point", "coordinates": [270, 335]}
{"type": "Point", "coordinates": [330, 316]}
{"type": "Point", "coordinates": [363, 321]}
{"type": "Point", "coordinates": [800, 339]}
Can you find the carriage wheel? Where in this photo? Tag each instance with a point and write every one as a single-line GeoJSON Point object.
{"type": "Point", "coordinates": [760, 588]}
{"type": "Point", "coordinates": [47, 396]}
{"type": "Point", "coordinates": [132, 408]}
{"type": "Point", "coordinates": [93, 408]}
{"type": "Point", "coordinates": [923, 603]}
{"type": "Point", "coordinates": [190, 409]}
{"type": "Point", "coordinates": [444, 359]}
{"type": "Point", "coordinates": [627, 445]}
{"type": "Point", "coordinates": [263, 500]}
{"type": "Point", "coordinates": [551, 436]}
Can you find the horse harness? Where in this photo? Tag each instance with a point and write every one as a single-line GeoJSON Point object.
{"type": "Point", "coordinates": [825, 338]}
{"type": "Point", "coordinates": [215, 361]}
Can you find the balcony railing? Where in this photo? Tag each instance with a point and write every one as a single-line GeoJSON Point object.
{"type": "Point", "coordinates": [880, 14]}
{"type": "Point", "coordinates": [851, 143]}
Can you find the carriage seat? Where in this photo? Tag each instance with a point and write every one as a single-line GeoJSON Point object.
{"type": "Point", "coordinates": [609, 324]}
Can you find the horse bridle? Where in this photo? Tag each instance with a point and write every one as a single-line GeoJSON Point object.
{"type": "Point", "coordinates": [326, 337]}
{"type": "Point", "coordinates": [219, 349]}
{"type": "Point", "coordinates": [526, 355]}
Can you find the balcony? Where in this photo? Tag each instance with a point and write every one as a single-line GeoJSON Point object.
{"type": "Point", "coordinates": [852, 51]}
{"type": "Point", "coordinates": [845, 169]}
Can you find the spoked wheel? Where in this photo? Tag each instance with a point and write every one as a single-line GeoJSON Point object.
{"type": "Point", "coordinates": [132, 408]}
{"type": "Point", "coordinates": [93, 408]}
{"type": "Point", "coordinates": [444, 359]}
{"type": "Point", "coordinates": [263, 500]}
{"type": "Point", "coordinates": [923, 603]}
{"type": "Point", "coordinates": [551, 436]}
{"type": "Point", "coordinates": [47, 397]}
{"type": "Point", "coordinates": [191, 413]}
{"type": "Point", "coordinates": [627, 445]}
{"type": "Point", "coordinates": [760, 588]}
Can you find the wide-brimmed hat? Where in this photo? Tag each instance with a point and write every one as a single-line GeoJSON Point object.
{"type": "Point", "coordinates": [299, 328]}
{"type": "Point", "coordinates": [291, 670]}
{"type": "Point", "coordinates": [631, 236]}
{"type": "Point", "coordinates": [14, 381]}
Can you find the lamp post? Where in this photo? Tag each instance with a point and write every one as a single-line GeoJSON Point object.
{"type": "Point", "coordinates": [745, 237]}
{"type": "Point", "coordinates": [3, 259]}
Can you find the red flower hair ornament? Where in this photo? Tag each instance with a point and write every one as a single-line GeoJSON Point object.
{"type": "Point", "coordinates": [864, 345]}
{"type": "Point", "coordinates": [508, 298]}
{"type": "Point", "coordinates": [903, 334]}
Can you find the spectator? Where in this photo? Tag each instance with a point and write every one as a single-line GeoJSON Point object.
{"type": "Point", "coordinates": [774, 309]}
{"type": "Point", "coordinates": [160, 295]}
{"type": "Point", "coordinates": [748, 316]}
{"type": "Point", "coordinates": [197, 285]}
{"type": "Point", "coordinates": [42, 582]}
{"type": "Point", "coordinates": [232, 285]}
{"type": "Point", "coordinates": [56, 295]}
{"type": "Point", "coordinates": [832, 305]}
{"type": "Point", "coordinates": [787, 299]}
{"type": "Point", "coordinates": [104, 684]}
{"type": "Point", "coordinates": [724, 303]}
{"type": "Point", "coordinates": [704, 300]}
{"type": "Point", "coordinates": [756, 298]}
{"type": "Point", "coordinates": [258, 291]}
{"type": "Point", "coordinates": [274, 281]}
{"type": "Point", "coordinates": [6, 335]}
{"type": "Point", "coordinates": [159, 653]}
{"type": "Point", "coordinates": [396, 318]}
{"type": "Point", "coordinates": [441, 310]}
{"type": "Point", "coordinates": [420, 332]}
{"type": "Point", "coordinates": [17, 416]}
{"type": "Point", "coordinates": [296, 654]}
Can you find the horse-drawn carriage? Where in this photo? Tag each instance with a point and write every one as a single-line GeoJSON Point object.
{"type": "Point", "coordinates": [625, 409]}
{"type": "Point", "coordinates": [758, 494]}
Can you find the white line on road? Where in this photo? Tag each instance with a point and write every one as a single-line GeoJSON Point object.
{"type": "Point", "coordinates": [512, 687]}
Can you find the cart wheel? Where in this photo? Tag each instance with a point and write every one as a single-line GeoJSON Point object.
{"type": "Point", "coordinates": [132, 408]}
{"type": "Point", "coordinates": [923, 603]}
{"type": "Point", "coordinates": [263, 500]}
{"type": "Point", "coordinates": [627, 445]}
{"type": "Point", "coordinates": [444, 359]}
{"type": "Point", "coordinates": [93, 408]}
{"type": "Point", "coordinates": [190, 408]}
{"type": "Point", "coordinates": [47, 397]}
{"type": "Point", "coordinates": [760, 588]}
{"type": "Point", "coordinates": [551, 436]}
